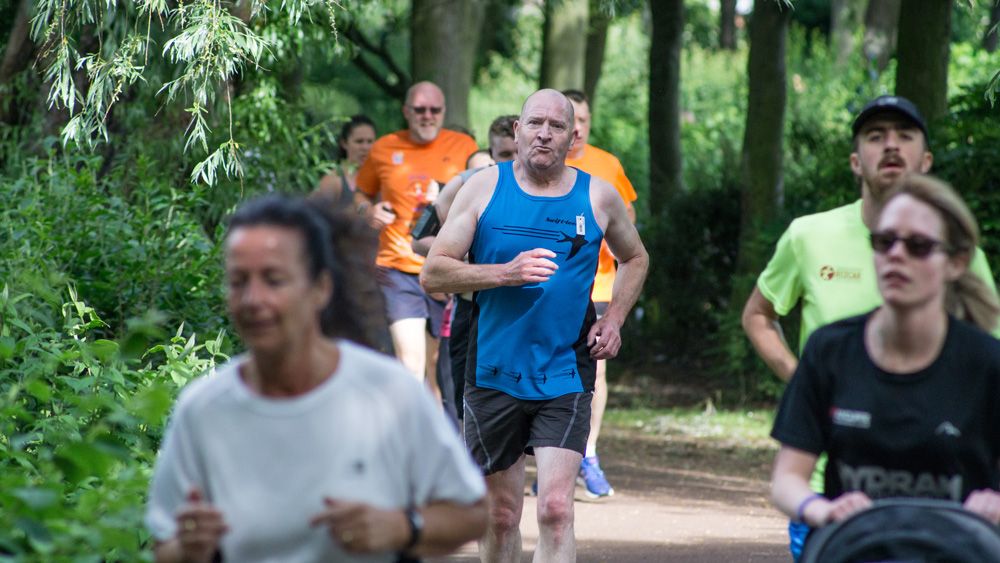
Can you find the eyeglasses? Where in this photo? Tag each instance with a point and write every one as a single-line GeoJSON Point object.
{"type": "Point", "coordinates": [434, 110]}
{"type": "Point", "coordinates": [917, 246]}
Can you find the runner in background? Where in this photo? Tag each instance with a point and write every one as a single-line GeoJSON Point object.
{"type": "Point", "coordinates": [606, 166]}
{"type": "Point", "coordinates": [501, 149]}
{"type": "Point", "coordinates": [399, 178]}
{"type": "Point", "coordinates": [354, 142]}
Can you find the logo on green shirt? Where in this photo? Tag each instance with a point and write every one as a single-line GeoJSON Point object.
{"type": "Point", "coordinates": [829, 273]}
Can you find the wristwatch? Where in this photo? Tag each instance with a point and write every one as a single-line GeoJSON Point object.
{"type": "Point", "coordinates": [416, 521]}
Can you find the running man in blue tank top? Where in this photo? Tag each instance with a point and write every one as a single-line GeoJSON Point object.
{"type": "Point", "coordinates": [532, 230]}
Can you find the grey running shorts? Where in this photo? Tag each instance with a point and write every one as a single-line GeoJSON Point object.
{"type": "Point", "coordinates": [405, 299]}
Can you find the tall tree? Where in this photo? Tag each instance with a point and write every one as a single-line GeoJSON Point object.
{"type": "Point", "coordinates": [845, 18]}
{"type": "Point", "coordinates": [990, 37]}
{"type": "Point", "coordinates": [597, 37]}
{"type": "Point", "coordinates": [563, 54]}
{"type": "Point", "coordinates": [922, 55]}
{"type": "Point", "coordinates": [444, 35]}
{"type": "Point", "coordinates": [881, 23]}
{"type": "Point", "coordinates": [761, 161]}
{"type": "Point", "coordinates": [727, 25]}
{"type": "Point", "coordinates": [17, 55]}
{"type": "Point", "coordinates": [665, 178]}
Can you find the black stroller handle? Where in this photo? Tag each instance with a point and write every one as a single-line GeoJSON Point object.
{"type": "Point", "coordinates": [906, 529]}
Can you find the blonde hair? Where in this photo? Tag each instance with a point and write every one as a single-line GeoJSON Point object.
{"type": "Point", "coordinates": [969, 297]}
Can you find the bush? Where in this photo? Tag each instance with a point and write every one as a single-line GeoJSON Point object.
{"type": "Point", "coordinates": [80, 426]}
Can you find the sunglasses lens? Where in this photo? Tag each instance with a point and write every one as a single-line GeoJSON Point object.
{"type": "Point", "coordinates": [882, 242]}
{"type": "Point", "coordinates": [425, 109]}
{"type": "Point", "coordinates": [916, 246]}
{"type": "Point", "coordinates": [919, 247]}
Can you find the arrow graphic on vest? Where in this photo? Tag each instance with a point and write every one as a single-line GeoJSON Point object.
{"type": "Point", "coordinates": [576, 242]}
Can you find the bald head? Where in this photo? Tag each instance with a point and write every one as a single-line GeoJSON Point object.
{"type": "Point", "coordinates": [548, 96]}
{"type": "Point", "coordinates": [424, 111]}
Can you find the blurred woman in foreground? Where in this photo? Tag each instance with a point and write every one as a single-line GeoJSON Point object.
{"type": "Point", "coordinates": [904, 399]}
{"type": "Point", "coordinates": [309, 447]}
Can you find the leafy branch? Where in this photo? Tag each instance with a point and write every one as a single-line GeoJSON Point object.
{"type": "Point", "coordinates": [208, 45]}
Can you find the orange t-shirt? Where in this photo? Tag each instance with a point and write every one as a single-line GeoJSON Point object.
{"type": "Point", "coordinates": [605, 166]}
{"type": "Point", "coordinates": [399, 171]}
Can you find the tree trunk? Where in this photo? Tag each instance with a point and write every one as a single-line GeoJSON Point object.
{"type": "Point", "coordinates": [881, 23]}
{"type": "Point", "coordinates": [845, 17]}
{"type": "Point", "coordinates": [727, 25]}
{"type": "Point", "coordinates": [665, 178]}
{"type": "Point", "coordinates": [444, 35]}
{"type": "Point", "coordinates": [760, 167]}
{"type": "Point", "coordinates": [17, 56]}
{"type": "Point", "coordinates": [990, 38]}
{"type": "Point", "coordinates": [597, 38]}
{"type": "Point", "coordinates": [922, 55]}
{"type": "Point", "coordinates": [563, 53]}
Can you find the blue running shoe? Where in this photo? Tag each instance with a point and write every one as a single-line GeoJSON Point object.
{"type": "Point", "coordinates": [592, 478]}
{"type": "Point", "coordinates": [534, 488]}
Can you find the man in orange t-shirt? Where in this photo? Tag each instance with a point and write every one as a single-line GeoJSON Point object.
{"type": "Point", "coordinates": [401, 176]}
{"type": "Point", "coordinates": [606, 166]}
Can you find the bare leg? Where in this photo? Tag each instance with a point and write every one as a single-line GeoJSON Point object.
{"type": "Point", "coordinates": [408, 338]}
{"type": "Point", "coordinates": [430, 365]}
{"type": "Point", "coordinates": [557, 469]}
{"type": "Point", "coordinates": [505, 492]}
{"type": "Point", "coordinates": [598, 404]}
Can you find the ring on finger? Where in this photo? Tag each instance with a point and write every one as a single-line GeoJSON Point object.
{"type": "Point", "coordinates": [190, 524]}
{"type": "Point", "coordinates": [346, 537]}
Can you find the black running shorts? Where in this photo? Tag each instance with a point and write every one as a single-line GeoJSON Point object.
{"type": "Point", "coordinates": [500, 428]}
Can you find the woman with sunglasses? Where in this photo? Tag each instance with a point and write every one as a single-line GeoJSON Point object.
{"type": "Point", "coordinates": [309, 447]}
{"type": "Point", "coordinates": [905, 399]}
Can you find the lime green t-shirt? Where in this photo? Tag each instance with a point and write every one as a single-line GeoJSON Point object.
{"type": "Point", "coordinates": [826, 260]}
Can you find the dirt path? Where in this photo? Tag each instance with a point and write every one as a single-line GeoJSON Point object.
{"type": "Point", "coordinates": [676, 500]}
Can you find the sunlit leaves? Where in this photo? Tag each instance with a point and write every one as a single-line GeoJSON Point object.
{"type": "Point", "coordinates": [207, 43]}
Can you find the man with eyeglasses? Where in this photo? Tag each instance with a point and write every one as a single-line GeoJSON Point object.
{"type": "Point", "coordinates": [825, 260]}
{"type": "Point", "coordinates": [398, 179]}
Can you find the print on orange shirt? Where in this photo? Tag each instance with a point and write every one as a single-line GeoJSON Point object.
{"type": "Point", "coordinates": [401, 173]}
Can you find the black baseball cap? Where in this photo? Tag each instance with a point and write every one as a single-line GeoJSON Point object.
{"type": "Point", "coordinates": [883, 104]}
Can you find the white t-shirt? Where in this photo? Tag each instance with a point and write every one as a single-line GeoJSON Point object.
{"type": "Point", "coordinates": [369, 433]}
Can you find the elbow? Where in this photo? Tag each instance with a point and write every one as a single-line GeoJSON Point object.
{"type": "Point", "coordinates": [427, 281]}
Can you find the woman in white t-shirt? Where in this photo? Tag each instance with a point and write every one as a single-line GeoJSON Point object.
{"type": "Point", "coordinates": [309, 447]}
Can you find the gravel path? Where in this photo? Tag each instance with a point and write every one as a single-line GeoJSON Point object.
{"type": "Point", "coordinates": [675, 501]}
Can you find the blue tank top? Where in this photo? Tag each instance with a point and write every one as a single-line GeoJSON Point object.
{"type": "Point", "coordinates": [529, 341]}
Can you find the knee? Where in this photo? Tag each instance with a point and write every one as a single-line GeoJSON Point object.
{"type": "Point", "coordinates": [555, 512]}
{"type": "Point", "coordinates": [504, 518]}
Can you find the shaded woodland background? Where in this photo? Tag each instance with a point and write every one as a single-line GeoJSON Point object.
{"type": "Point", "coordinates": [129, 129]}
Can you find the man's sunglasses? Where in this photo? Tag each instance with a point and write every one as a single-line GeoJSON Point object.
{"type": "Point", "coordinates": [917, 246]}
{"type": "Point", "coordinates": [434, 110]}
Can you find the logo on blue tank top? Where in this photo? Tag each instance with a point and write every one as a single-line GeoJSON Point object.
{"type": "Point", "coordinates": [576, 242]}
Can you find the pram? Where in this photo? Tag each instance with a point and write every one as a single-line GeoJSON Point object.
{"type": "Point", "coordinates": [907, 530]}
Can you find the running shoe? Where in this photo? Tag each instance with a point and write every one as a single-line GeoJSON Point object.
{"type": "Point", "coordinates": [534, 488]}
{"type": "Point", "coordinates": [592, 478]}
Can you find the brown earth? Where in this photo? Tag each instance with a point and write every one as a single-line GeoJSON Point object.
{"type": "Point", "coordinates": [677, 498]}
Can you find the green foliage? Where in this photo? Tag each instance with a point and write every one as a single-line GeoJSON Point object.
{"type": "Point", "coordinates": [80, 422]}
{"type": "Point", "coordinates": [207, 45]}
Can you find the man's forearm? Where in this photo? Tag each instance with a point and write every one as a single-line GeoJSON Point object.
{"type": "Point", "coordinates": [442, 274]}
{"type": "Point", "coordinates": [766, 337]}
{"type": "Point", "coordinates": [628, 285]}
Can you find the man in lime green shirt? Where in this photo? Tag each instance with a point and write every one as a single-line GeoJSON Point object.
{"type": "Point", "coordinates": [826, 260]}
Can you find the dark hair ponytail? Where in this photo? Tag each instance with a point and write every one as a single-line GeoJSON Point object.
{"type": "Point", "coordinates": [338, 242]}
